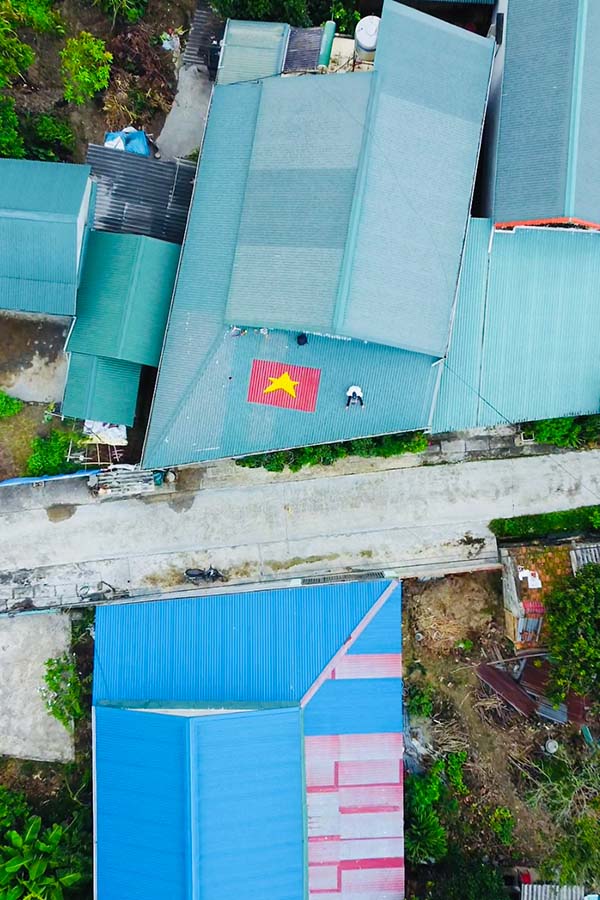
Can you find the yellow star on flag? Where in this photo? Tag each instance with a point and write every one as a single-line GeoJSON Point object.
{"type": "Point", "coordinates": [282, 383]}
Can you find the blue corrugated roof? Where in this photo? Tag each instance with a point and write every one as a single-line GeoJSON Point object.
{"type": "Point", "coordinates": [39, 206]}
{"type": "Point", "coordinates": [351, 705]}
{"type": "Point", "coordinates": [199, 807]}
{"type": "Point", "coordinates": [549, 131]}
{"type": "Point", "coordinates": [384, 633]}
{"type": "Point", "coordinates": [142, 805]}
{"type": "Point", "coordinates": [252, 50]}
{"type": "Point", "coordinates": [508, 360]}
{"type": "Point", "coordinates": [237, 647]}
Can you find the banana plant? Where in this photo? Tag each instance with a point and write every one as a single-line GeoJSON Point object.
{"type": "Point", "coordinates": [33, 864]}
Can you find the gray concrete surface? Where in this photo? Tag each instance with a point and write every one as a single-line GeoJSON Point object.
{"type": "Point", "coordinates": [26, 728]}
{"type": "Point", "coordinates": [424, 519]}
{"type": "Point", "coordinates": [33, 364]}
{"type": "Point", "coordinates": [184, 125]}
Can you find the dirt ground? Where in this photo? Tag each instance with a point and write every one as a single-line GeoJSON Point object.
{"type": "Point", "coordinates": [439, 616]}
{"type": "Point", "coordinates": [33, 363]}
{"type": "Point", "coordinates": [41, 90]}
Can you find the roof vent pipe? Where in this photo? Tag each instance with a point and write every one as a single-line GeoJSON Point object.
{"type": "Point", "coordinates": [326, 44]}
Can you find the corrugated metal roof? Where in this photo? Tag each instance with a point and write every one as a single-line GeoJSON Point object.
{"type": "Point", "coordinates": [507, 360]}
{"type": "Point", "coordinates": [584, 555]}
{"type": "Point", "coordinates": [507, 688]}
{"type": "Point", "coordinates": [142, 810]}
{"type": "Point", "coordinates": [200, 409]}
{"type": "Point", "coordinates": [458, 401]}
{"type": "Point", "coordinates": [252, 50]}
{"type": "Point", "coordinates": [348, 706]}
{"type": "Point", "coordinates": [418, 171]}
{"type": "Point", "coordinates": [124, 297]}
{"type": "Point", "coordinates": [233, 647]}
{"type": "Point", "coordinates": [41, 190]}
{"type": "Point", "coordinates": [141, 195]}
{"type": "Point", "coordinates": [208, 806]}
{"type": "Point", "coordinates": [384, 633]}
{"type": "Point", "coordinates": [303, 50]}
{"type": "Point", "coordinates": [549, 131]}
{"type": "Point", "coordinates": [104, 390]}
{"type": "Point", "coordinates": [297, 203]}
{"type": "Point", "coordinates": [39, 206]}
{"type": "Point", "coordinates": [551, 892]}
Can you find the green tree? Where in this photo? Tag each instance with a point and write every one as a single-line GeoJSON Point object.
{"type": "Point", "coordinates": [11, 142]}
{"type": "Point", "coordinates": [573, 620]}
{"type": "Point", "coordinates": [85, 67]}
{"type": "Point", "coordinates": [35, 14]}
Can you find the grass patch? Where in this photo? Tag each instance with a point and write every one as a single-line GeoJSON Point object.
{"type": "Point", "coordinates": [569, 521]}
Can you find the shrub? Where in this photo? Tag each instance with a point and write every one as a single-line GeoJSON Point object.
{"type": "Point", "coordinates": [85, 67]}
{"type": "Point", "coordinates": [569, 521]}
{"type": "Point", "coordinates": [9, 406]}
{"type": "Point", "coordinates": [564, 432]}
{"type": "Point", "coordinates": [573, 620]}
{"type": "Point", "coordinates": [576, 856]}
{"type": "Point", "coordinates": [11, 142]}
{"type": "Point", "coordinates": [419, 700]}
{"type": "Point", "coordinates": [35, 14]}
{"type": "Point", "coordinates": [326, 454]}
{"type": "Point", "coordinates": [461, 877]}
{"type": "Point", "coordinates": [15, 56]}
{"type": "Point", "coordinates": [33, 862]}
{"type": "Point", "coordinates": [346, 16]}
{"type": "Point", "coordinates": [455, 763]}
{"type": "Point", "coordinates": [502, 824]}
{"type": "Point", "coordinates": [49, 454]}
{"type": "Point", "coordinates": [47, 138]}
{"type": "Point", "coordinates": [426, 838]}
{"type": "Point", "coordinates": [13, 806]}
{"type": "Point", "coordinates": [126, 10]}
{"type": "Point", "coordinates": [63, 692]}
{"type": "Point", "coordinates": [294, 12]}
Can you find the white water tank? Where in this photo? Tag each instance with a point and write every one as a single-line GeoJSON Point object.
{"type": "Point", "coordinates": [365, 38]}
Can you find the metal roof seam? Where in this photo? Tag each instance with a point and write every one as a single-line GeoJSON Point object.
{"type": "Point", "coordinates": [575, 115]}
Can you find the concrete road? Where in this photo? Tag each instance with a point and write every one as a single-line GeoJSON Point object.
{"type": "Point", "coordinates": [412, 520]}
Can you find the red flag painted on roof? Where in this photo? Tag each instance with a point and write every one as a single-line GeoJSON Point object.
{"type": "Point", "coordinates": [279, 384]}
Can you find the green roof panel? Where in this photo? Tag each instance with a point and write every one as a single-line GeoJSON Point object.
{"type": "Point", "coordinates": [104, 390]}
{"type": "Point", "coordinates": [41, 189]}
{"type": "Point", "coordinates": [252, 50]}
{"type": "Point", "coordinates": [124, 297]}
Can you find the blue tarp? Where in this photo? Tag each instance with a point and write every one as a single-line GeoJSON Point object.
{"type": "Point", "coordinates": [134, 141]}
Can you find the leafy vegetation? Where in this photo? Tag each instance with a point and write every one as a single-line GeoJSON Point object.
{"type": "Point", "coordinates": [465, 877]}
{"type": "Point", "coordinates": [63, 692]}
{"type": "Point", "coordinates": [426, 839]}
{"type": "Point", "coordinates": [49, 454]}
{"type": "Point", "coordinates": [569, 521]}
{"type": "Point", "coordinates": [35, 861]}
{"type": "Point", "coordinates": [47, 138]}
{"type": "Point", "coordinates": [573, 620]}
{"type": "Point", "coordinates": [9, 406]}
{"type": "Point", "coordinates": [346, 16]}
{"type": "Point", "coordinates": [38, 15]}
{"type": "Point", "coordinates": [294, 12]}
{"type": "Point", "coordinates": [11, 141]}
{"type": "Point", "coordinates": [85, 67]}
{"type": "Point", "coordinates": [15, 56]}
{"type": "Point", "coordinates": [419, 699]}
{"type": "Point", "coordinates": [566, 432]}
{"type": "Point", "coordinates": [326, 454]}
{"type": "Point", "coordinates": [127, 10]}
{"type": "Point", "coordinates": [502, 823]}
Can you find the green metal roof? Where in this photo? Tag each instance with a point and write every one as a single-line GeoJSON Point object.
{"type": "Point", "coordinates": [252, 50]}
{"type": "Point", "coordinates": [104, 390]}
{"type": "Point", "coordinates": [124, 296]}
{"type": "Point", "coordinates": [42, 190]}
{"type": "Point", "coordinates": [39, 207]}
{"type": "Point", "coordinates": [524, 345]}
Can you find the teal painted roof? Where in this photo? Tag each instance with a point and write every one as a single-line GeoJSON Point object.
{"type": "Point", "coordinates": [41, 190]}
{"type": "Point", "coordinates": [283, 233]}
{"type": "Point", "coordinates": [418, 171]}
{"type": "Point", "coordinates": [525, 340]}
{"type": "Point", "coordinates": [547, 158]}
{"type": "Point", "coordinates": [252, 50]}
{"type": "Point", "coordinates": [39, 206]}
{"type": "Point", "coordinates": [104, 390]}
{"type": "Point", "coordinates": [124, 297]}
